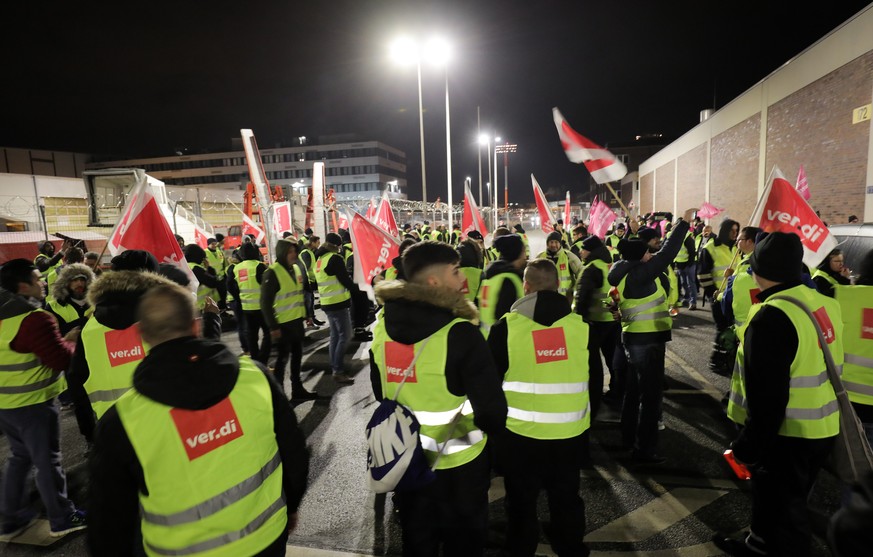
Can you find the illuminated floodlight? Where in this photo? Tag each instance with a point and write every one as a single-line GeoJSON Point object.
{"type": "Point", "coordinates": [404, 51]}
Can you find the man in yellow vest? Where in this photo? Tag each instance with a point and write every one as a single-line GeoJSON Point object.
{"type": "Point", "coordinates": [792, 415]}
{"type": "Point", "coordinates": [218, 263]}
{"type": "Point", "coordinates": [47, 258]}
{"type": "Point", "coordinates": [334, 291]}
{"type": "Point", "coordinates": [110, 345]}
{"type": "Point", "coordinates": [199, 262]}
{"type": "Point", "coordinates": [32, 357]}
{"type": "Point", "coordinates": [477, 237]}
{"type": "Point", "coordinates": [284, 310]}
{"type": "Point", "coordinates": [454, 391]}
{"type": "Point", "coordinates": [307, 258]}
{"type": "Point", "coordinates": [540, 352]}
{"type": "Point", "coordinates": [244, 284]}
{"type": "Point", "coordinates": [203, 455]}
{"type": "Point", "coordinates": [519, 229]}
{"type": "Point", "coordinates": [71, 255]}
{"type": "Point", "coordinates": [569, 266]}
{"type": "Point", "coordinates": [646, 328]}
{"type": "Point", "coordinates": [502, 281]}
{"type": "Point", "coordinates": [686, 271]}
{"type": "Point", "coordinates": [471, 268]}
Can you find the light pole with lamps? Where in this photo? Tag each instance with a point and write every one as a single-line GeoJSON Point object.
{"type": "Point", "coordinates": [494, 191]}
{"type": "Point", "coordinates": [506, 148]}
{"type": "Point", "coordinates": [403, 50]}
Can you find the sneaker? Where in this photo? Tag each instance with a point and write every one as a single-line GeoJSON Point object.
{"type": "Point", "coordinates": [317, 322]}
{"type": "Point", "coordinates": [363, 335]}
{"type": "Point", "coordinates": [692, 307]}
{"type": "Point", "coordinates": [75, 521]}
{"type": "Point", "coordinates": [342, 379]}
{"type": "Point", "coordinates": [674, 312]}
{"type": "Point", "coordinates": [661, 426]}
{"type": "Point", "coordinates": [10, 530]}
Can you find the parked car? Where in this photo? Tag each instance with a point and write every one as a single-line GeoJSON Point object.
{"type": "Point", "coordinates": [855, 241]}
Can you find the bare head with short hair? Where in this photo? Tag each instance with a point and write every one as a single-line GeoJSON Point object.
{"type": "Point", "coordinates": [423, 258]}
{"type": "Point", "coordinates": [166, 312]}
{"type": "Point", "coordinates": [540, 274]}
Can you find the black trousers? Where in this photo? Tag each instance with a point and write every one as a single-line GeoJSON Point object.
{"type": "Point", "coordinates": [255, 324]}
{"type": "Point", "coordinates": [532, 465]}
{"type": "Point", "coordinates": [291, 343]}
{"type": "Point", "coordinates": [602, 339]}
{"type": "Point", "coordinates": [360, 308]}
{"type": "Point", "coordinates": [451, 513]}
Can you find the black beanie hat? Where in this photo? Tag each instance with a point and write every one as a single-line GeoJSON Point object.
{"type": "Point", "coordinates": [134, 260]}
{"type": "Point", "coordinates": [591, 243]}
{"type": "Point", "coordinates": [554, 236]}
{"type": "Point", "coordinates": [510, 246]}
{"type": "Point", "coordinates": [646, 234]}
{"type": "Point", "coordinates": [632, 250]}
{"type": "Point", "coordinates": [334, 238]}
{"type": "Point", "coordinates": [519, 228]}
{"type": "Point", "coordinates": [475, 234]}
{"type": "Point", "coordinates": [778, 257]}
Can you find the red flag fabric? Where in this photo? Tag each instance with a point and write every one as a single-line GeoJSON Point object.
{"type": "Point", "coordinates": [281, 217]}
{"type": "Point", "coordinates": [251, 227]}
{"type": "Point", "coordinates": [142, 226]}
{"type": "Point", "coordinates": [374, 249]}
{"type": "Point", "coordinates": [372, 209]}
{"type": "Point", "coordinates": [472, 218]}
{"type": "Point", "coordinates": [708, 210]}
{"type": "Point", "coordinates": [567, 210]}
{"type": "Point", "coordinates": [547, 219]}
{"type": "Point", "coordinates": [343, 221]}
{"type": "Point", "coordinates": [601, 219]}
{"type": "Point", "coordinates": [802, 184]}
{"type": "Point", "coordinates": [602, 164]}
{"type": "Point", "coordinates": [385, 216]}
{"type": "Point", "coordinates": [783, 209]}
{"type": "Point", "coordinates": [200, 237]}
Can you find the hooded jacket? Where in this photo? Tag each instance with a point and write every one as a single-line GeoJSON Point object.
{"type": "Point", "coordinates": [192, 374]}
{"type": "Point", "coordinates": [63, 297]}
{"type": "Point", "coordinates": [271, 286]}
{"type": "Point", "coordinates": [591, 279]}
{"type": "Point", "coordinates": [336, 267]}
{"type": "Point", "coordinates": [413, 312]}
{"type": "Point", "coordinates": [115, 298]}
{"type": "Point", "coordinates": [508, 294]}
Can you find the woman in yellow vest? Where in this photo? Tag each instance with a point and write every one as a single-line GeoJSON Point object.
{"type": "Point", "coordinates": [244, 284]}
{"type": "Point", "coordinates": [717, 259]}
{"type": "Point", "coordinates": [830, 273]}
{"type": "Point", "coordinates": [792, 411]}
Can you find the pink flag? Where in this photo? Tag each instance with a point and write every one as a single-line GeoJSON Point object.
{"type": "Point", "coordinates": [374, 249]}
{"type": "Point", "coordinates": [251, 227]}
{"type": "Point", "coordinates": [472, 218]}
{"type": "Point", "coordinates": [602, 218]}
{"type": "Point", "coordinates": [783, 209]}
{"type": "Point", "coordinates": [602, 164]}
{"type": "Point", "coordinates": [372, 209]}
{"type": "Point", "coordinates": [567, 210]}
{"type": "Point", "coordinates": [547, 219]}
{"type": "Point", "coordinates": [591, 209]}
{"type": "Point", "coordinates": [802, 184]}
{"type": "Point", "coordinates": [385, 216]}
{"type": "Point", "coordinates": [143, 227]}
{"type": "Point", "coordinates": [708, 210]}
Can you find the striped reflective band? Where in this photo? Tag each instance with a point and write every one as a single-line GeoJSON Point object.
{"type": "Point", "coordinates": [23, 366]}
{"type": "Point", "coordinates": [454, 445]}
{"type": "Point", "coordinates": [330, 283]}
{"type": "Point", "coordinates": [643, 307]}
{"type": "Point", "coordinates": [443, 418]}
{"type": "Point", "coordinates": [545, 388]}
{"type": "Point", "coordinates": [217, 503]}
{"type": "Point", "coordinates": [224, 539]}
{"type": "Point", "coordinates": [813, 413]}
{"type": "Point", "coordinates": [858, 388]}
{"type": "Point", "coordinates": [859, 361]}
{"type": "Point", "coordinates": [809, 381]}
{"type": "Point", "coordinates": [647, 317]}
{"type": "Point", "coordinates": [249, 290]}
{"type": "Point", "coordinates": [107, 395]}
{"type": "Point", "coordinates": [30, 387]}
{"type": "Point", "coordinates": [737, 399]}
{"type": "Point", "coordinates": [546, 417]}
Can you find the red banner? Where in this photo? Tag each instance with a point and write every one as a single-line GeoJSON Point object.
{"type": "Point", "coordinates": [373, 251]}
{"type": "Point", "coordinates": [385, 216]}
{"type": "Point", "coordinates": [472, 218]}
{"type": "Point", "coordinates": [547, 219]}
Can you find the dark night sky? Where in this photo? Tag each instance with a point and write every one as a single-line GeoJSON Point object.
{"type": "Point", "coordinates": [100, 78]}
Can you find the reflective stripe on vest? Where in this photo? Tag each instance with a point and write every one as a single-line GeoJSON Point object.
{"type": "Point", "coordinates": [472, 282]}
{"type": "Point", "coordinates": [246, 275]}
{"type": "Point", "coordinates": [489, 294]}
{"type": "Point", "coordinates": [330, 291]}
{"type": "Point", "coordinates": [565, 274]}
{"type": "Point", "coordinates": [856, 305]}
{"type": "Point", "coordinates": [683, 256]}
{"type": "Point", "coordinates": [202, 290]}
{"type": "Point", "coordinates": [288, 304]}
{"type": "Point", "coordinates": [426, 395]}
{"type": "Point", "coordinates": [24, 381]}
{"type": "Point", "coordinates": [597, 311]}
{"type": "Point", "coordinates": [112, 356]}
{"type": "Point", "coordinates": [202, 499]}
{"type": "Point", "coordinates": [217, 261]}
{"type": "Point", "coordinates": [546, 384]}
{"type": "Point", "coordinates": [644, 315]}
{"type": "Point", "coordinates": [722, 256]}
{"type": "Point", "coordinates": [310, 267]}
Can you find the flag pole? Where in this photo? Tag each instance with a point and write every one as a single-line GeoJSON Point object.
{"type": "Point", "coordinates": [617, 198]}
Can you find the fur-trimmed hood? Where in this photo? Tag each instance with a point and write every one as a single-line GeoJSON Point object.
{"type": "Point", "coordinates": [61, 285]}
{"type": "Point", "coordinates": [413, 311]}
{"type": "Point", "coordinates": [115, 296]}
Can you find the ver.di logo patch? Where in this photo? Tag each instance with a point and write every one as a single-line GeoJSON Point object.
{"type": "Point", "coordinates": [398, 356]}
{"type": "Point", "coordinates": [824, 321]}
{"type": "Point", "coordinates": [867, 324]}
{"type": "Point", "coordinates": [549, 345]}
{"type": "Point", "coordinates": [203, 431]}
{"type": "Point", "coordinates": [124, 346]}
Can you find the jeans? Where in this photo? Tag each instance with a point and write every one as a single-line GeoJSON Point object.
{"type": "Point", "coordinates": [688, 283]}
{"type": "Point", "coordinates": [34, 440]}
{"type": "Point", "coordinates": [641, 409]}
{"type": "Point", "coordinates": [340, 333]}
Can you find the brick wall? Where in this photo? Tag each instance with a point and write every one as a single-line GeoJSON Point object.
{"type": "Point", "coordinates": [733, 174]}
{"type": "Point", "coordinates": [691, 179]}
{"type": "Point", "coordinates": [646, 183]}
{"type": "Point", "coordinates": [665, 180]}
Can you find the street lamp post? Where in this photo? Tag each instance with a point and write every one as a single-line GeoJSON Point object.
{"type": "Point", "coordinates": [506, 148]}
{"type": "Point", "coordinates": [496, 180]}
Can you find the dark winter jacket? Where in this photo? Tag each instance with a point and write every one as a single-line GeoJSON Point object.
{"type": "Point", "coordinates": [63, 297]}
{"type": "Point", "coordinates": [270, 286]}
{"type": "Point", "coordinates": [508, 294]}
{"type": "Point", "coordinates": [591, 280]}
{"type": "Point", "coordinates": [248, 252]}
{"type": "Point", "coordinates": [337, 268]}
{"type": "Point", "coordinates": [38, 333]}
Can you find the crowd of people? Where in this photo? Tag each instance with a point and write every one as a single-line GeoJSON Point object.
{"type": "Point", "coordinates": [508, 350]}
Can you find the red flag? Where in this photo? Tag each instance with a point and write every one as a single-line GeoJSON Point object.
{"type": "Point", "coordinates": [708, 210]}
{"type": "Point", "coordinates": [385, 216]}
{"type": "Point", "coordinates": [472, 218]}
{"type": "Point", "coordinates": [372, 209]}
{"type": "Point", "coordinates": [567, 210]}
{"type": "Point", "coordinates": [251, 227]}
{"type": "Point", "coordinates": [783, 209]}
{"type": "Point", "coordinates": [802, 184]}
{"type": "Point", "coordinates": [547, 219]}
{"type": "Point", "coordinates": [602, 218]}
{"type": "Point", "coordinates": [374, 249]}
{"type": "Point", "coordinates": [200, 237]}
{"type": "Point", "coordinates": [343, 221]}
{"type": "Point", "coordinates": [281, 217]}
{"type": "Point", "coordinates": [144, 227]}
{"type": "Point", "coordinates": [602, 164]}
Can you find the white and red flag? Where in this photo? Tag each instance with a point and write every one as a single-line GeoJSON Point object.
{"type": "Point", "coordinates": [472, 218]}
{"type": "Point", "coordinates": [200, 237]}
{"type": "Point", "coordinates": [547, 219]}
{"type": "Point", "coordinates": [372, 209]}
{"type": "Point", "coordinates": [374, 249]}
{"type": "Point", "coordinates": [384, 218]}
{"type": "Point", "coordinates": [567, 210]}
{"type": "Point", "coordinates": [143, 226]}
{"type": "Point", "coordinates": [281, 217]}
{"type": "Point", "coordinates": [343, 221]}
{"type": "Point", "coordinates": [802, 184]}
{"type": "Point", "coordinates": [250, 227]}
{"type": "Point", "coordinates": [601, 219]}
{"type": "Point", "coordinates": [783, 209]}
{"type": "Point", "coordinates": [708, 210]}
{"type": "Point", "coordinates": [602, 164]}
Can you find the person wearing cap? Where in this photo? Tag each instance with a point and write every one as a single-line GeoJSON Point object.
{"type": "Point", "coordinates": [519, 229]}
{"type": "Point", "coordinates": [218, 263]}
{"type": "Point", "coordinates": [652, 238]}
{"type": "Point", "coordinates": [646, 328]}
{"type": "Point", "coordinates": [160, 481]}
{"type": "Point", "coordinates": [540, 352]}
{"type": "Point", "coordinates": [110, 346]}
{"type": "Point", "coordinates": [477, 237]}
{"type": "Point", "coordinates": [455, 381]}
{"type": "Point", "coordinates": [503, 280]}
{"type": "Point", "coordinates": [492, 253]}
{"type": "Point", "coordinates": [569, 266]}
{"type": "Point", "coordinates": [565, 234]}
{"type": "Point", "coordinates": [334, 290]}
{"type": "Point", "coordinates": [594, 303]}
{"type": "Point", "coordinates": [790, 415]}
{"type": "Point", "coordinates": [244, 281]}
{"type": "Point", "coordinates": [198, 262]}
